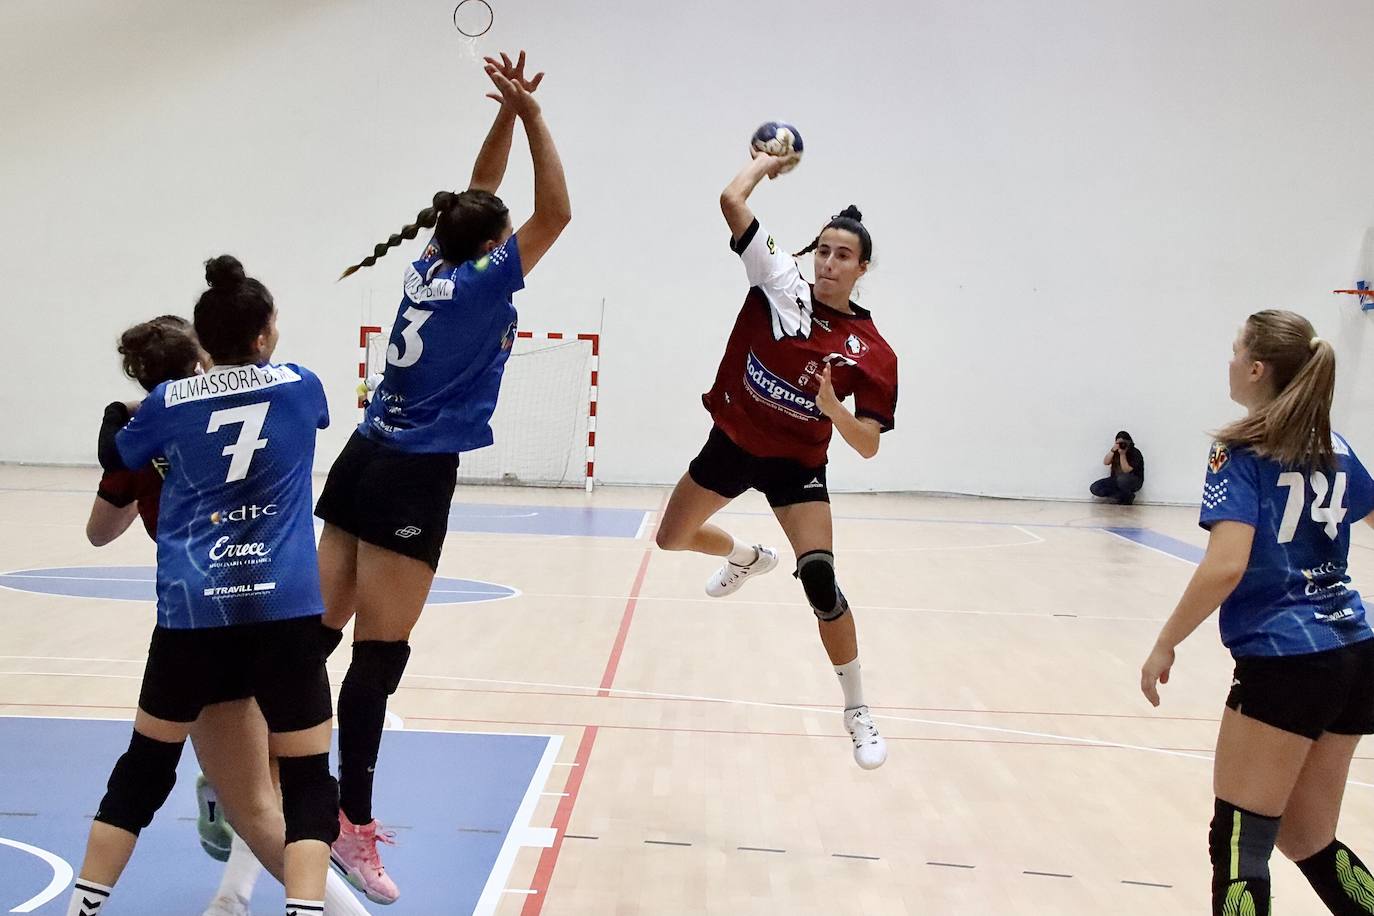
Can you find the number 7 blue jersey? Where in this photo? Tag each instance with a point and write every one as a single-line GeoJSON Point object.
{"type": "Point", "coordinates": [235, 535]}
{"type": "Point", "coordinates": [1295, 597]}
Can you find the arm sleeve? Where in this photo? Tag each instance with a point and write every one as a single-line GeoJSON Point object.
{"type": "Point", "coordinates": [876, 399]}
{"type": "Point", "coordinates": [321, 403]}
{"type": "Point", "coordinates": [117, 488]}
{"type": "Point", "coordinates": [1360, 489]}
{"type": "Point", "coordinates": [1231, 490]}
{"type": "Point", "coordinates": [776, 275]}
{"type": "Point", "coordinates": [141, 440]}
{"type": "Point", "coordinates": [116, 415]}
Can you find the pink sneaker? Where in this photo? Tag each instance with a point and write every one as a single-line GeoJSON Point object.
{"type": "Point", "coordinates": [354, 854]}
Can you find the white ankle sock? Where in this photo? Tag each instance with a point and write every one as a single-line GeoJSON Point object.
{"type": "Point", "coordinates": [87, 898]}
{"type": "Point", "coordinates": [851, 682]}
{"type": "Point", "coordinates": [742, 554]}
{"type": "Point", "coordinates": [339, 899]}
{"type": "Point", "coordinates": [296, 907]}
{"type": "Point", "coordinates": [240, 872]}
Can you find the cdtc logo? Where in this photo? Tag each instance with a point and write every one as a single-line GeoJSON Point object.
{"type": "Point", "coordinates": [243, 514]}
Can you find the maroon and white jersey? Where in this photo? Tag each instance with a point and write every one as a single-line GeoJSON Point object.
{"type": "Point", "coordinates": [764, 396]}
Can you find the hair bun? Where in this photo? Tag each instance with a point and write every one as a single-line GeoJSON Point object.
{"type": "Point", "coordinates": [224, 272]}
{"type": "Point", "coordinates": [852, 212]}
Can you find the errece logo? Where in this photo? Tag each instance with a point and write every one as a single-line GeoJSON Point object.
{"type": "Point", "coordinates": [409, 531]}
{"type": "Point", "coordinates": [224, 550]}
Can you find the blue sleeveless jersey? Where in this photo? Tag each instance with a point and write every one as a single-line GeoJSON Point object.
{"type": "Point", "coordinates": [235, 536]}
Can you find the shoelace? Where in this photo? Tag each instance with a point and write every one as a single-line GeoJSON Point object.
{"type": "Point", "coordinates": [380, 835]}
{"type": "Point", "coordinates": [863, 725]}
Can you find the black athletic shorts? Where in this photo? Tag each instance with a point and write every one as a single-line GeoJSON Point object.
{"type": "Point", "coordinates": [393, 499]}
{"type": "Point", "coordinates": [725, 468]}
{"type": "Point", "coordinates": [1330, 691]}
{"type": "Point", "coordinates": [279, 662]}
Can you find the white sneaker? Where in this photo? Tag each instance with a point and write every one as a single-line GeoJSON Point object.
{"type": "Point", "coordinates": [870, 750]}
{"type": "Point", "coordinates": [227, 906]}
{"type": "Point", "coordinates": [728, 579]}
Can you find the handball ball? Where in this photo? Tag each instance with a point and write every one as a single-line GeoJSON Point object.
{"type": "Point", "coordinates": [777, 138]}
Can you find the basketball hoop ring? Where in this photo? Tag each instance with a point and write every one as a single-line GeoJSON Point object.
{"type": "Point", "coordinates": [491, 17]}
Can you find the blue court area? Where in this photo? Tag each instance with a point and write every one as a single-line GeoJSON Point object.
{"type": "Point", "coordinates": [564, 521]}
{"type": "Point", "coordinates": [459, 803]}
{"type": "Point", "coordinates": [137, 583]}
{"type": "Point", "coordinates": [1162, 542]}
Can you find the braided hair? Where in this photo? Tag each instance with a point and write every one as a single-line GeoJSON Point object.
{"type": "Point", "coordinates": [462, 222]}
{"type": "Point", "coordinates": [850, 220]}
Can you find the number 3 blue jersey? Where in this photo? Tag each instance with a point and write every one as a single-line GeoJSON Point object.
{"type": "Point", "coordinates": [1295, 597]}
{"type": "Point", "coordinates": [448, 350]}
{"type": "Point", "coordinates": [235, 536]}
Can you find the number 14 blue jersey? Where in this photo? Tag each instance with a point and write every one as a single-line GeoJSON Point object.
{"type": "Point", "coordinates": [1295, 597]}
{"type": "Point", "coordinates": [235, 536]}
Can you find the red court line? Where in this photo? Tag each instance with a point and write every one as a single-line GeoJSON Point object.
{"type": "Point", "coordinates": [543, 872]}
{"type": "Point", "coordinates": [618, 647]}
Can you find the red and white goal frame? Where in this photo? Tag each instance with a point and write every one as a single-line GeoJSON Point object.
{"type": "Point", "coordinates": [368, 330]}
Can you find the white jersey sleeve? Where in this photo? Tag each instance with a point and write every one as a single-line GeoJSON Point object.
{"type": "Point", "coordinates": [775, 274]}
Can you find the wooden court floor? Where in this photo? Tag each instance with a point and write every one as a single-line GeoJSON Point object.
{"type": "Point", "coordinates": [703, 767]}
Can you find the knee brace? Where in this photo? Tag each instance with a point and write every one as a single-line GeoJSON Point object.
{"type": "Point", "coordinates": [816, 570]}
{"type": "Point", "coordinates": [309, 799]}
{"type": "Point", "coordinates": [329, 639]}
{"type": "Point", "coordinates": [140, 783]}
{"type": "Point", "coordinates": [1240, 843]}
{"type": "Point", "coordinates": [378, 665]}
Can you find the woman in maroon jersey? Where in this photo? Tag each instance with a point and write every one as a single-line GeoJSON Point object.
{"type": "Point", "coordinates": [796, 352]}
{"type": "Point", "coordinates": [153, 352]}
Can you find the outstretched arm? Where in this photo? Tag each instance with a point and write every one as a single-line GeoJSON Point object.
{"type": "Point", "coordinates": [490, 167]}
{"type": "Point", "coordinates": [734, 200]}
{"type": "Point", "coordinates": [552, 209]}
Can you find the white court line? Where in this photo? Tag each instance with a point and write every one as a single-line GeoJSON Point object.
{"type": "Point", "coordinates": [1034, 539]}
{"type": "Point", "coordinates": [61, 875]}
{"type": "Point", "coordinates": [1071, 739]}
{"type": "Point", "coordinates": [521, 832]}
{"type": "Point", "coordinates": [643, 525]}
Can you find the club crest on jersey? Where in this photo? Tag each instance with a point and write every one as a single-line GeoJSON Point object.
{"type": "Point", "coordinates": [854, 346]}
{"type": "Point", "coordinates": [772, 390]}
{"type": "Point", "coordinates": [1218, 458]}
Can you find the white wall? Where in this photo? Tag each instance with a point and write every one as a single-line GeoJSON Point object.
{"type": "Point", "coordinates": [1073, 204]}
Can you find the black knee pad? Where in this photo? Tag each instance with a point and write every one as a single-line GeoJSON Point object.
{"type": "Point", "coordinates": [140, 783]}
{"type": "Point", "coordinates": [309, 798]}
{"type": "Point", "coordinates": [378, 665]}
{"type": "Point", "coordinates": [1240, 843]}
{"type": "Point", "coordinates": [816, 570]}
{"type": "Point", "coordinates": [329, 640]}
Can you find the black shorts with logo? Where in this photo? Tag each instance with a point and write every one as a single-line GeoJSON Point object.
{"type": "Point", "coordinates": [278, 662]}
{"type": "Point", "coordinates": [725, 468]}
{"type": "Point", "coordinates": [1331, 691]}
{"type": "Point", "coordinates": [393, 499]}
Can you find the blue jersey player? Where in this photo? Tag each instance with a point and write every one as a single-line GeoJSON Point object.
{"type": "Point", "coordinates": [239, 607]}
{"type": "Point", "coordinates": [386, 502]}
{"type": "Point", "coordinates": [1281, 493]}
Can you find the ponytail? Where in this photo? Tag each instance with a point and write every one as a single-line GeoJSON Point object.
{"type": "Point", "coordinates": [1294, 428]}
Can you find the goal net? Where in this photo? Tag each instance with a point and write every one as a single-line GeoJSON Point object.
{"type": "Point", "coordinates": [545, 419]}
